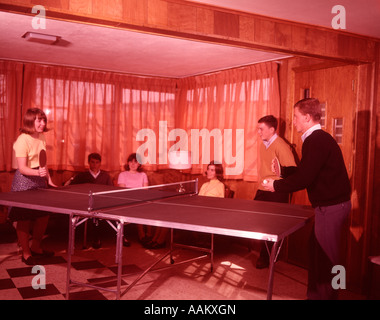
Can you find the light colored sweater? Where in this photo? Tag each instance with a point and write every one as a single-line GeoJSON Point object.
{"type": "Point", "coordinates": [278, 149]}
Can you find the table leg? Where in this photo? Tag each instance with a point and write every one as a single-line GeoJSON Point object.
{"type": "Point", "coordinates": [119, 256]}
{"type": "Point", "coordinates": [85, 235]}
{"type": "Point", "coordinates": [70, 250]}
{"type": "Point", "coordinates": [212, 252]}
{"type": "Point", "coordinates": [272, 260]}
{"type": "Point", "coordinates": [171, 245]}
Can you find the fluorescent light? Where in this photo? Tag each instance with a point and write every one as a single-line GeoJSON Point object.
{"type": "Point", "coordinates": [41, 38]}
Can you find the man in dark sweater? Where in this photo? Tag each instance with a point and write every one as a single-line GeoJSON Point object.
{"type": "Point", "coordinates": [94, 174]}
{"type": "Point", "coordinates": [323, 173]}
{"type": "Point", "coordinates": [97, 176]}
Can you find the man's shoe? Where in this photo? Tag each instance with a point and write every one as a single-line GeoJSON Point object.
{"type": "Point", "coordinates": [31, 261]}
{"type": "Point", "coordinates": [43, 254]}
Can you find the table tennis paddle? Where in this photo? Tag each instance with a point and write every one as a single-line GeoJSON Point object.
{"type": "Point", "coordinates": [42, 158]}
{"type": "Point", "coordinates": [276, 167]}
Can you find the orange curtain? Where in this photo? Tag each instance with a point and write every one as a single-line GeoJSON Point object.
{"type": "Point", "coordinates": [10, 110]}
{"type": "Point", "coordinates": [102, 112]}
{"type": "Point", "coordinates": [225, 107]}
{"type": "Point", "coordinates": [215, 115]}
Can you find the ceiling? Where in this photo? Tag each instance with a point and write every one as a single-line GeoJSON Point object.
{"type": "Point", "coordinates": [103, 48]}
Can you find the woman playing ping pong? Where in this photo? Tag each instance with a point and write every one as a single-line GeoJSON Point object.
{"type": "Point", "coordinates": [30, 174]}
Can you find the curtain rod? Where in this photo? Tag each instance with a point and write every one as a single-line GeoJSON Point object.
{"type": "Point", "coordinates": [148, 75]}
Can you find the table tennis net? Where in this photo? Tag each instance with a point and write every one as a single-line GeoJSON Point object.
{"type": "Point", "coordinates": [129, 197]}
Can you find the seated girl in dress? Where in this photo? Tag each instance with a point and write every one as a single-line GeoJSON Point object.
{"type": "Point", "coordinates": [214, 187]}
{"type": "Point", "coordinates": [134, 177]}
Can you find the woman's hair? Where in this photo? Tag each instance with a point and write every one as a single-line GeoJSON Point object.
{"type": "Point", "coordinates": [218, 169]}
{"type": "Point", "coordinates": [132, 156]}
{"type": "Point", "coordinates": [28, 121]}
{"type": "Point", "coordinates": [310, 106]}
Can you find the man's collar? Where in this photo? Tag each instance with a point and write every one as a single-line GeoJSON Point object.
{"type": "Point", "coordinates": [95, 175]}
{"type": "Point", "coordinates": [270, 141]}
{"type": "Point", "coordinates": [309, 131]}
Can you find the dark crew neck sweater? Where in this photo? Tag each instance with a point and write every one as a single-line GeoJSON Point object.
{"type": "Point", "coordinates": [321, 171]}
{"type": "Point", "coordinates": [86, 177]}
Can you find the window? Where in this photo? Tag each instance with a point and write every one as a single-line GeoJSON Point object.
{"type": "Point", "coordinates": [323, 115]}
{"type": "Point", "coordinates": [338, 130]}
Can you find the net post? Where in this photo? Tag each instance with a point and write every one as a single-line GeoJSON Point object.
{"type": "Point", "coordinates": [196, 185]}
{"type": "Point", "coordinates": [90, 201]}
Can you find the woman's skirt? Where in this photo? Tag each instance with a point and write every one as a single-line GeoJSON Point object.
{"type": "Point", "coordinates": [21, 183]}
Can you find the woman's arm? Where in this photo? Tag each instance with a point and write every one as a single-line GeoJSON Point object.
{"type": "Point", "coordinates": [40, 172]}
{"type": "Point", "coordinates": [25, 170]}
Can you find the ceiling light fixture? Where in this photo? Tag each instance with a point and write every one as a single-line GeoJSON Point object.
{"type": "Point", "coordinates": [41, 38]}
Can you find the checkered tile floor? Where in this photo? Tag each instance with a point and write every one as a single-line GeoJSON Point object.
{"type": "Point", "coordinates": [16, 282]}
{"type": "Point", "coordinates": [234, 276]}
{"type": "Point", "coordinates": [89, 266]}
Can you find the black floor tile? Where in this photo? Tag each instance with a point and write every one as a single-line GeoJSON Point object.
{"type": "Point", "coordinates": [87, 295]}
{"type": "Point", "coordinates": [6, 284]}
{"type": "Point", "coordinates": [83, 265]}
{"type": "Point", "coordinates": [20, 272]}
{"type": "Point", "coordinates": [27, 270]}
{"type": "Point", "coordinates": [30, 292]}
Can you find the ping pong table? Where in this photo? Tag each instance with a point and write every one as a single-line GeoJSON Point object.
{"type": "Point", "coordinates": [174, 206]}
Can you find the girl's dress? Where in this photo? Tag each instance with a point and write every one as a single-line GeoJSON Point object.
{"type": "Point", "coordinates": [29, 147]}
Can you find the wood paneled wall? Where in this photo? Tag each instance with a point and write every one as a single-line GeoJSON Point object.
{"type": "Point", "coordinates": [374, 160]}
{"type": "Point", "coordinates": [208, 23]}
{"type": "Point", "coordinates": [350, 92]}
